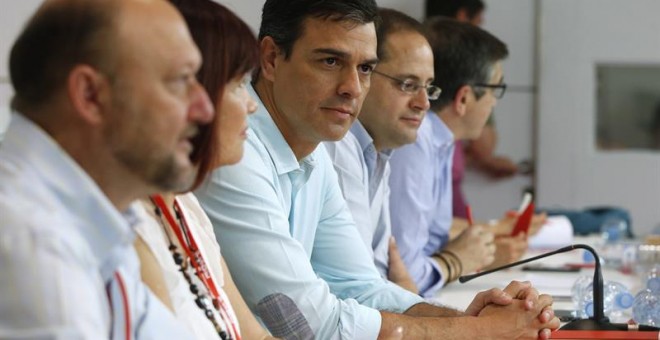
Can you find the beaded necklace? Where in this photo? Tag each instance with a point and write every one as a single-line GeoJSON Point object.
{"type": "Point", "coordinates": [211, 301]}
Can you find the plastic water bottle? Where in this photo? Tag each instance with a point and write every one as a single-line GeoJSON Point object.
{"type": "Point", "coordinates": [616, 299]}
{"type": "Point", "coordinates": [582, 295]}
{"type": "Point", "coordinates": [652, 279]}
{"type": "Point", "coordinates": [613, 231]}
{"type": "Point", "coordinates": [646, 308]}
{"type": "Point", "coordinates": [580, 284]}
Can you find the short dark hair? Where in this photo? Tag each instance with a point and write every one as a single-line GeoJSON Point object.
{"type": "Point", "coordinates": [392, 21]}
{"type": "Point", "coordinates": [450, 8]}
{"type": "Point", "coordinates": [56, 39]}
{"type": "Point", "coordinates": [229, 49]}
{"type": "Point", "coordinates": [283, 20]}
{"type": "Point", "coordinates": [463, 54]}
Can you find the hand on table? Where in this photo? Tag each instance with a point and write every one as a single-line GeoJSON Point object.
{"type": "Point", "coordinates": [508, 249]}
{"type": "Point", "coordinates": [474, 247]}
{"type": "Point", "coordinates": [504, 226]}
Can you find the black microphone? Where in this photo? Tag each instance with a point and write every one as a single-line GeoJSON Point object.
{"type": "Point", "coordinates": [598, 321]}
{"type": "Point", "coordinates": [283, 318]}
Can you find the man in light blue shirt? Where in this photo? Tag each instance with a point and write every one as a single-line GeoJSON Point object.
{"type": "Point", "coordinates": [279, 214]}
{"type": "Point", "coordinates": [421, 207]}
{"type": "Point", "coordinates": [392, 112]}
{"type": "Point", "coordinates": [103, 118]}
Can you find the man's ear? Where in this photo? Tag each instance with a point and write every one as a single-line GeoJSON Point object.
{"type": "Point", "coordinates": [462, 99]}
{"type": "Point", "coordinates": [84, 88]}
{"type": "Point", "coordinates": [269, 52]}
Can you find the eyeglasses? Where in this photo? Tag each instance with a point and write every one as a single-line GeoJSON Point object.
{"type": "Point", "coordinates": [498, 89]}
{"type": "Point", "coordinates": [412, 87]}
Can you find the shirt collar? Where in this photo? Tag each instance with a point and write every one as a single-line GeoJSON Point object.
{"type": "Point", "coordinates": [269, 134]}
{"type": "Point", "coordinates": [366, 142]}
{"type": "Point", "coordinates": [97, 220]}
{"type": "Point", "coordinates": [442, 135]}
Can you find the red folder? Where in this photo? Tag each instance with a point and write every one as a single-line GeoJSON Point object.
{"type": "Point", "coordinates": [524, 220]}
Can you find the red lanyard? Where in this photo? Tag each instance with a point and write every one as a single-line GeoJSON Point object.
{"type": "Point", "coordinates": [119, 281]}
{"type": "Point", "coordinates": [189, 245]}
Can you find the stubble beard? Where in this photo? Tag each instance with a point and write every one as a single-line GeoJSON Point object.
{"type": "Point", "coordinates": [155, 167]}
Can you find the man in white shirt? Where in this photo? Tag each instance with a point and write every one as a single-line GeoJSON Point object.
{"type": "Point", "coordinates": [106, 103]}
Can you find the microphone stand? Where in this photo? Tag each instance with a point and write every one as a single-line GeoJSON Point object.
{"type": "Point", "coordinates": [597, 322]}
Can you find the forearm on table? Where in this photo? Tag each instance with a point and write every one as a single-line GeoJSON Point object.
{"type": "Point", "coordinates": [426, 309]}
{"type": "Point", "coordinates": [465, 327]}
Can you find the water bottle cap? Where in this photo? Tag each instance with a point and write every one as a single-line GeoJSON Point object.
{"type": "Point", "coordinates": [589, 309]}
{"type": "Point", "coordinates": [653, 284]}
{"type": "Point", "coordinates": [624, 300]}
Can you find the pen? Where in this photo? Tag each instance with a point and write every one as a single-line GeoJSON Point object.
{"type": "Point", "coordinates": [468, 213]}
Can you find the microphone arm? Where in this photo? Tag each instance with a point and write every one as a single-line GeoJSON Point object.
{"type": "Point", "coordinates": [466, 278]}
{"type": "Point", "coordinates": [599, 320]}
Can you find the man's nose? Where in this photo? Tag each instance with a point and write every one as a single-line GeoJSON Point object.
{"type": "Point", "coordinates": [201, 109]}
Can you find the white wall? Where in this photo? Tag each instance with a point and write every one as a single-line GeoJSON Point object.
{"type": "Point", "coordinates": [576, 36]}
{"type": "Point", "coordinates": [248, 10]}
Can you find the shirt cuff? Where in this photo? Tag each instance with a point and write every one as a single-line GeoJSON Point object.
{"type": "Point", "coordinates": [368, 324]}
{"type": "Point", "coordinates": [432, 284]}
{"type": "Point", "coordinates": [403, 298]}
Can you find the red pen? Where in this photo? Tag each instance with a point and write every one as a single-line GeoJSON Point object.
{"type": "Point", "coordinates": [468, 213]}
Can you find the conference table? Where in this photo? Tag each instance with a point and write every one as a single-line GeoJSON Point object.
{"type": "Point", "coordinates": [557, 284]}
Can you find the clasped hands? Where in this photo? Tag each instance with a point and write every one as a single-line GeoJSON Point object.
{"type": "Point", "coordinates": [518, 311]}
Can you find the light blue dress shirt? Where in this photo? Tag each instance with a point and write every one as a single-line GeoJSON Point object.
{"type": "Point", "coordinates": [284, 227]}
{"type": "Point", "coordinates": [69, 270]}
{"type": "Point", "coordinates": [363, 176]}
{"type": "Point", "coordinates": [420, 203]}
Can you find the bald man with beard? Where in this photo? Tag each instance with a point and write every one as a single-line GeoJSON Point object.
{"type": "Point", "coordinates": [106, 104]}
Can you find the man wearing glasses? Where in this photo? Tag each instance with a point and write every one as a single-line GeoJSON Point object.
{"type": "Point", "coordinates": [391, 114]}
{"type": "Point", "coordinates": [468, 68]}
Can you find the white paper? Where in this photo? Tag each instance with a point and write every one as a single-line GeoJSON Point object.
{"type": "Point", "coordinates": [556, 284]}
{"type": "Point", "coordinates": [557, 232]}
